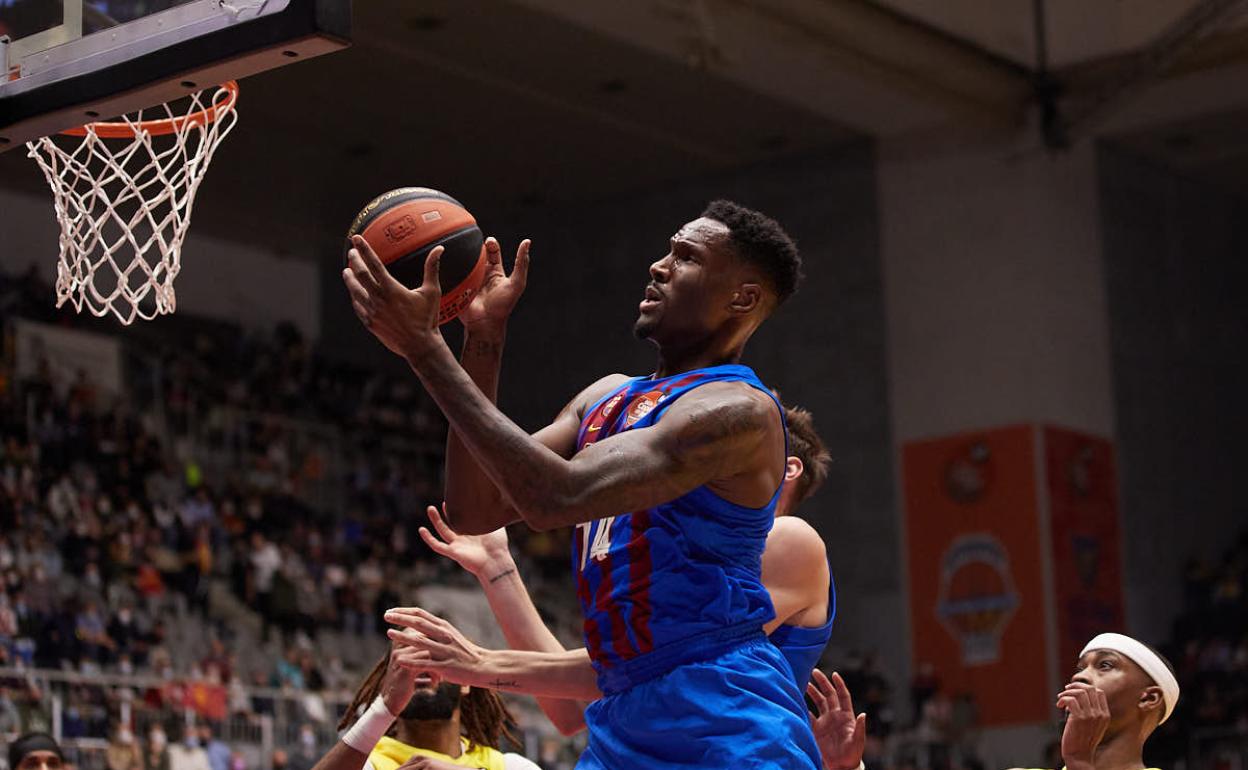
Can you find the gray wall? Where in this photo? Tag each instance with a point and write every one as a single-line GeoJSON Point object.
{"type": "Point", "coordinates": [823, 350]}
{"type": "Point", "coordinates": [1176, 277]}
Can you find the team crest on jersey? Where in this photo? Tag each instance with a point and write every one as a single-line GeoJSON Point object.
{"type": "Point", "coordinates": [609, 407]}
{"type": "Point", "coordinates": [643, 406]}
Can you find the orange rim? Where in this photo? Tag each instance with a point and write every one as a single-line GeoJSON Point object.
{"type": "Point", "coordinates": [121, 130]}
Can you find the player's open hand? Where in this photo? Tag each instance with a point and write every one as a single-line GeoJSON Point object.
{"type": "Point", "coordinates": [1087, 718]}
{"type": "Point", "coordinates": [437, 647]}
{"type": "Point", "coordinates": [405, 320]}
{"type": "Point", "coordinates": [482, 555]}
{"type": "Point", "coordinates": [842, 737]}
{"type": "Point", "coordinates": [491, 307]}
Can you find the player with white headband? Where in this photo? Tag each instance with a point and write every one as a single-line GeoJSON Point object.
{"type": "Point", "coordinates": [1121, 690]}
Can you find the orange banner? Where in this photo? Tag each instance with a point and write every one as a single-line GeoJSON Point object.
{"type": "Point", "coordinates": [975, 570]}
{"type": "Point", "coordinates": [1087, 553]}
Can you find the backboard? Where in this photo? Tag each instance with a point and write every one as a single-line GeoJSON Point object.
{"type": "Point", "coordinates": [64, 63]}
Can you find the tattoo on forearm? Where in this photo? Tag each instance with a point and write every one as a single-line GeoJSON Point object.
{"type": "Point", "coordinates": [484, 348]}
{"type": "Point", "coordinates": [501, 684]}
{"type": "Point", "coordinates": [502, 575]}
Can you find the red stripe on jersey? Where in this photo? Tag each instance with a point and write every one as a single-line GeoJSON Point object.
{"type": "Point", "coordinates": [598, 421]}
{"type": "Point", "coordinates": [593, 638]}
{"type": "Point", "coordinates": [606, 603]}
{"type": "Point", "coordinates": [682, 382]}
{"type": "Point", "coordinates": [640, 571]}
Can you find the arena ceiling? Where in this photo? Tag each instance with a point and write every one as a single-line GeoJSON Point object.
{"type": "Point", "coordinates": [515, 103]}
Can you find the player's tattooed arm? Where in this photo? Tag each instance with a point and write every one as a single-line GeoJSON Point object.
{"type": "Point", "coordinates": [708, 435]}
{"type": "Point", "coordinates": [702, 436]}
{"type": "Point", "coordinates": [468, 488]}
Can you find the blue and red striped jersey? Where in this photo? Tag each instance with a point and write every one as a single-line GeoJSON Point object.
{"type": "Point", "coordinates": [662, 586]}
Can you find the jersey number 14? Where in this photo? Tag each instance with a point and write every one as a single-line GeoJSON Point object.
{"type": "Point", "coordinates": [601, 542]}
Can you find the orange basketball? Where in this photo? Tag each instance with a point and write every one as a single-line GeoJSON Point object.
{"type": "Point", "coordinates": [404, 225]}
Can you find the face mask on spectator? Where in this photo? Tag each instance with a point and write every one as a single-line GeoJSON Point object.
{"type": "Point", "coordinates": [157, 738]}
{"type": "Point", "coordinates": [125, 737]}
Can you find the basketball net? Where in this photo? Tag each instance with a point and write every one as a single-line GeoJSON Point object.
{"type": "Point", "coordinates": [123, 193]}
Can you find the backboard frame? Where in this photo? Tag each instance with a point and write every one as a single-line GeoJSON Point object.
{"type": "Point", "coordinates": [69, 29]}
{"type": "Point", "coordinates": [170, 64]}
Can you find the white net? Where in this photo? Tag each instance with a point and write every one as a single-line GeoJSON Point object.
{"type": "Point", "coordinates": [123, 194]}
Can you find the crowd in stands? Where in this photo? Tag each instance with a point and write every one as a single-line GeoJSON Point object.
{"type": "Point", "coordinates": [115, 527]}
{"type": "Point", "coordinates": [113, 522]}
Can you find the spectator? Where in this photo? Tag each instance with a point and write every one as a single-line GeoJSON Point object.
{"type": "Point", "coordinates": [10, 718]}
{"type": "Point", "coordinates": [218, 753]}
{"type": "Point", "coordinates": [187, 754]}
{"type": "Point", "coordinates": [123, 752]}
{"type": "Point", "coordinates": [156, 754]}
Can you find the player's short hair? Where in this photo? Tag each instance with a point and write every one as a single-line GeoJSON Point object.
{"type": "Point", "coordinates": [761, 241]}
{"type": "Point", "coordinates": [805, 445]}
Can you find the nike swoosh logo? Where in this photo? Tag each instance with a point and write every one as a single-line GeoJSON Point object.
{"type": "Point", "coordinates": [592, 428]}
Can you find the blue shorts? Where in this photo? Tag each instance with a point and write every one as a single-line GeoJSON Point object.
{"type": "Point", "coordinates": [740, 709]}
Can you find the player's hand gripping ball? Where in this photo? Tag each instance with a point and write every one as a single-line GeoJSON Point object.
{"type": "Point", "coordinates": [404, 225]}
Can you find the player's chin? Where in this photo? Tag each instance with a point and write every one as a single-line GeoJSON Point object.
{"type": "Point", "coordinates": [645, 326]}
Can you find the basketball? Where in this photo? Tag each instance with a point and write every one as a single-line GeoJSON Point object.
{"type": "Point", "coordinates": [404, 225]}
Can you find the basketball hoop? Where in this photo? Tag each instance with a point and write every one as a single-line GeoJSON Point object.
{"type": "Point", "coordinates": [123, 195]}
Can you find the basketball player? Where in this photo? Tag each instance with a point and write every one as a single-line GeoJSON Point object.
{"type": "Point", "coordinates": [671, 480]}
{"type": "Point", "coordinates": [436, 725]}
{"type": "Point", "coordinates": [795, 573]}
{"type": "Point", "coordinates": [35, 751]}
{"type": "Point", "coordinates": [1121, 691]}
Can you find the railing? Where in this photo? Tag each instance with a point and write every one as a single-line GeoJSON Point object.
{"type": "Point", "coordinates": [83, 710]}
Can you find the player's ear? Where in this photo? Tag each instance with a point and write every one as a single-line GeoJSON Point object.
{"type": "Point", "coordinates": [793, 468]}
{"type": "Point", "coordinates": [746, 298]}
{"type": "Point", "coordinates": [1152, 699]}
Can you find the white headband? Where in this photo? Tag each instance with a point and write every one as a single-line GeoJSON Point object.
{"type": "Point", "coordinates": [1146, 659]}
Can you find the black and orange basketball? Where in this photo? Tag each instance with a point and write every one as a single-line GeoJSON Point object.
{"type": "Point", "coordinates": [404, 225]}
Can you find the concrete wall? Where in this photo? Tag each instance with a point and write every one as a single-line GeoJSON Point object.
{"type": "Point", "coordinates": [1176, 276]}
{"type": "Point", "coordinates": [995, 309]}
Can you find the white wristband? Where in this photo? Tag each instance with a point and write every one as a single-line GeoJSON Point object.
{"type": "Point", "coordinates": [370, 727]}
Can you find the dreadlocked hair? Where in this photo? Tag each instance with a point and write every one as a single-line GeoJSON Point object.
{"type": "Point", "coordinates": [483, 717]}
{"type": "Point", "coordinates": [367, 693]}
{"type": "Point", "coordinates": [485, 720]}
